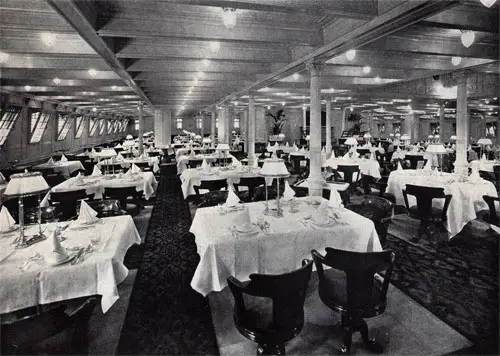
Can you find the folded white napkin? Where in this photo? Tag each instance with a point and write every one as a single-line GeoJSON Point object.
{"type": "Point", "coordinates": [335, 199]}
{"type": "Point", "coordinates": [398, 149]}
{"type": "Point", "coordinates": [232, 199]}
{"type": "Point", "coordinates": [242, 221]}
{"type": "Point", "coordinates": [483, 157]}
{"type": "Point", "coordinates": [6, 220]}
{"type": "Point", "coordinates": [269, 146]}
{"type": "Point", "coordinates": [295, 148]}
{"type": "Point", "coordinates": [355, 154]}
{"type": "Point", "coordinates": [50, 161]}
{"type": "Point", "coordinates": [379, 145]}
{"type": "Point", "coordinates": [435, 172]}
{"type": "Point", "coordinates": [87, 214]}
{"type": "Point", "coordinates": [57, 253]}
{"type": "Point", "coordinates": [332, 155]}
{"type": "Point", "coordinates": [276, 145]}
{"type": "Point", "coordinates": [191, 153]}
{"type": "Point", "coordinates": [289, 193]}
{"type": "Point", "coordinates": [204, 164]}
{"type": "Point", "coordinates": [78, 179]}
{"type": "Point", "coordinates": [320, 215]}
{"type": "Point", "coordinates": [119, 146]}
{"type": "Point", "coordinates": [302, 150]}
{"type": "Point", "coordinates": [235, 162]}
{"type": "Point", "coordinates": [346, 155]}
{"type": "Point", "coordinates": [135, 169]}
{"type": "Point", "coordinates": [119, 157]}
{"type": "Point", "coordinates": [128, 173]}
{"type": "Point", "coordinates": [96, 172]}
{"type": "Point", "coordinates": [63, 158]}
{"type": "Point", "coordinates": [428, 165]}
{"type": "Point", "coordinates": [400, 167]}
{"type": "Point", "coordinates": [2, 178]}
{"type": "Point", "coordinates": [93, 150]}
{"type": "Point", "coordinates": [372, 156]}
{"type": "Point", "coordinates": [287, 145]}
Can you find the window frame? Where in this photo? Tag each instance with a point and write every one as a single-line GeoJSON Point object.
{"type": "Point", "coordinates": [40, 126]}
{"type": "Point", "coordinates": [102, 127]}
{"type": "Point", "coordinates": [93, 126]}
{"type": "Point", "coordinates": [178, 123]}
{"type": "Point", "coordinates": [79, 127]}
{"type": "Point", "coordinates": [62, 132]}
{"type": "Point", "coordinates": [8, 118]}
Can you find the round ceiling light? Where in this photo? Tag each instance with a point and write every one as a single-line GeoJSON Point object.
{"type": "Point", "coordinates": [366, 69]}
{"type": "Point", "coordinates": [214, 46]}
{"type": "Point", "coordinates": [467, 38]}
{"type": "Point", "coordinates": [56, 80]}
{"type": "Point", "coordinates": [206, 62]}
{"type": "Point", "coordinates": [92, 72]}
{"type": "Point", "coordinates": [350, 54]}
{"type": "Point", "coordinates": [229, 17]}
{"type": "Point", "coordinates": [377, 79]}
{"type": "Point", "coordinates": [4, 57]}
{"type": "Point", "coordinates": [27, 87]}
{"type": "Point", "coordinates": [488, 3]}
{"type": "Point", "coordinates": [48, 38]}
{"type": "Point", "coordinates": [456, 60]}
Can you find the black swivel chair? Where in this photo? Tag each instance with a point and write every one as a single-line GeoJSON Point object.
{"type": "Point", "coordinates": [284, 295]}
{"type": "Point", "coordinates": [354, 288]}
{"type": "Point", "coordinates": [66, 202]}
{"type": "Point", "coordinates": [129, 198]}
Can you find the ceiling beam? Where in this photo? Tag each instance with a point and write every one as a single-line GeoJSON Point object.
{"type": "Point", "coordinates": [465, 17]}
{"type": "Point", "coordinates": [70, 11]}
{"type": "Point", "coordinates": [69, 62]}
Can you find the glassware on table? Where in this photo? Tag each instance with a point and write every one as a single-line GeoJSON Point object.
{"type": "Point", "coordinates": [95, 239]}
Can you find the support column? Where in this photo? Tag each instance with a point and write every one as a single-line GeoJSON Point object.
{"type": "Point", "coordinates": [212, 125]}
{"type": "Point", "coordinates": [244, 129]}
{"type": "Point", "coordinates": [416, 128]}
{"type": "Point", "coordinates": [163, 127]}
{"type": "Point", "coordinates": [315, 179]}
{"type": "Point", "coordinates": [251, 130]}
{"type": "Point", "coordinates": [498, 131]}
{"type": "Point", "coordinates": [342, 129]}
{"type": "Point", "coordinates": [409, 126]}
{"type": "Point", "coordinates": [141, 128]}
{"type": "Point", "coordinates": [304, 115]}
{"type": "Point", "coordinates": [221, 129]}
{"type": "Point", "coordinates": [461, 166]}
{"type": "Point", "coordinates": [202, 128]}
{"type": "Point", "coordinates": [441, 123]}
{"type": "Point", "coordinates": [228, 118]}
{"type": "Point", "coordinates": [328, 126]}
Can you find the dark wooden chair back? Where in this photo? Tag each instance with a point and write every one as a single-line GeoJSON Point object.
{"type": "Point", "coordinates": [251, 183]}
{"type": "Point", "coordinates": [360, 281]}
{"type": "Point", "coordinates": [351, 173]}
{"type": "Point", "coordinates": [67, 201]}
{"type": "Point", "coordinates": [54, 179]}
{"type": "Point", "coordinates": [222, 161]}
{"type": "Point", "coordinates": [104, 207]}
{"type": "Point", "coordinates": [424, 196]}
{"type": "Point", "coordinates": [122, 194]}
{"type": "Point", "coordinates": [286, 292]}
{"type": "Point", "coordinates": [144, 166]}
{"type": "Point", "coordinates": [153, 154]}
{"type": "Point", "coordinates": [112, 167]}
{"type": "Point", "coordinates": [211, 185]}
{"type": "Point", "coordinates": [213, 198]}
{"type": "Point", "coordinates": [413, 159]}
{"type": "Point", "coordinates": [493, 217]}
{"type": "Point", "coordinates": [194, 163]}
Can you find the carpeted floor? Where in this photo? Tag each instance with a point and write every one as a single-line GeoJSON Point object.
{"type": "Point", "coordinates": [458, 282]}
{"type": "Point", "coordinates": [165, 316]}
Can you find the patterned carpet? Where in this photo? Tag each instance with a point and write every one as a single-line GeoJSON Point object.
{"type": "Point", "coordinates": [457, 282]}
{"type": "Point", "coordinates": [165, 316]}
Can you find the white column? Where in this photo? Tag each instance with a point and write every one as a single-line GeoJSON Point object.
{"type": "Point", "coordinates": [244, 129]}
{"type": "Point", "coordinates": [212, 125]}
{"type": "Point", "coordinates": [441, 123]}
{"type": "Point", "coordinates": [221, 129]}
{"type": "Point", "coordinates": [315, 179]}
{"type": "Point", "coordinates": [202, 128]}
{"type": "Point", "coordinates": [141, 128]}
{"type": "Point", "coordinates": [229, 123]}
{"type": "Point", "coordinates": [416, 127]}
{"type": "Point", "coordinates": [251, 129]}
{"type": "Point", "coordinates": [461, 166]}
{"type": "Point", "coordinates": [328, 126]}
{"type": "Point", "coordinates": [342, 129]}
{"type": "Point", "coordinates": [163, 127]}
{"type": "Point", "coordinates": [304, 114]}
{"type": "Point", "coordinates": [409, 126]}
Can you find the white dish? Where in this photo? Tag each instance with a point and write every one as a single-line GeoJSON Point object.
{"type": "Point", "coordinates": [253, 230]}
{"type": "Point", "coordinates": [71, 257]}
{"type": "Point", "coordinates": [330, 223]}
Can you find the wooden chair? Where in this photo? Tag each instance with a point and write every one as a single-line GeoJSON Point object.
{"type": "Point", "coordinates": [194, 163]}
{"type": "Point", "coordinates": [251, 183]}
{"type": "Point", "coordinates": [424, 211]}
{"type": "Point", "coordinates": [112, 168]}
{"type": "Point", "coordinates": [67, 202]}
{"type": "Point", "coordinates": [126, 196]}
{"type": "Point", "coordinates": [413, 159]}
{"type": "Point", "coordinates": [144, 166]}
{"type": "Point", "coordinates": [105, 207]}
{"type": "Point", "coordinates": [352, 175]}
{"type": "Point", "coordinates": [210, 185]}
{"type": "Point", "coordinates": [213, 198]}
{"type": "Point", "coordinates": [378, 210]}
{"type": "Point", "coordinates": [78, 171]}
{"type": "Point", "coordinates": [354, 288]}
{"type": "Point", "coordinates": [374, 187]}
{"type": "Point", "coordinates": [24, 335]}
{"type": "Point", "coordinates": [269, 309]}
{"type": "Point", "coordinates": [493, 216]}
{"type": "Point", "coordinates": [54, 179]}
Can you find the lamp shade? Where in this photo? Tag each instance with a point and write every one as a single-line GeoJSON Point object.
{"type": "Point", "coordinates": [453, 137]}
{"type": "Point", "coordinates": [351, 141]}
{"type": "Point", "coordinates": [436, 148]}
{"type": "Point", "coordinates": [223, 147]}
{"type": "Point", "coordinates": [367, 135]}
{"type": "Point", "coordinates": [207, 140]}
{"type": "Point", "coordinates": [274, 168]}
{"type": "Point", "coordinates": [405, 137]}
{"type": "Point", "coordinates": [197, 137]}
{"type": "Point", "coordinates": [26, 184]}
{"type": "Point", "coordinates": [129, 137]}
{"type": "Point", "coordinates": [484, 141]}
{"type": "Point", "coordinates": [391, 135]}
{"type": "Point", "coordinates": [308, 137]}
{"type": "Point", "coordinates": [107, 152]}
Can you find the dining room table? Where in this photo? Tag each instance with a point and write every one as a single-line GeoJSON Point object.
{"type": "Point", "coordinates": [153, 162]}
{"type": "Point", "coordinates": [27, 279]}
{"type": "Point", "coordinates": [484, 165]}
{"type": "Point", "coordinates": [66, 168]}
{"type": "Point", "coordinates": [369, 167]}
{"type": "Point", "coordinates": [143, 182]}
{"type": "Point", "coordinates": [193, 176]}
{"type": "Point", "coordinates": [276, 245]}
{"type": "Point", "coordinates": [467, 194]}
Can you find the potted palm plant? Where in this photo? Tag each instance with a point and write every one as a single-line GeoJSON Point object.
{"type": "Point", "coordinates": [278, 120]}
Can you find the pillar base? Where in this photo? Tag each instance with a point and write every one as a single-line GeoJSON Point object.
{"type": "Point", "coordinates": [315, 186]}
{"type": "Point", "coordinates": [462, 170]}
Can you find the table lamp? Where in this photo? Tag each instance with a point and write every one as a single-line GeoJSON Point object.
{"type": "Point", "coordinates": [367, 136]}
{"type": "Point", "coordinates": [483, 142]}
{"type": "Point", "coordinates": [23, 185]}
{"type": "Point", "coordinates": [437, 149]}
{"type": "Point", "coordinates": [223, 148]}
{"type": "Point", "coordinates": [351, 141]}
{"type": "Point", "coordinates": [129, 137]}
{"type": "Point", "coordinates": [274, 168]}
{"type": "Point", "coordinates": [107, 153]}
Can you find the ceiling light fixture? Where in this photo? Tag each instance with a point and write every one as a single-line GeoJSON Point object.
{"type": "Point", "coordinates": [366, 69]}
{"type": "Point", "coordinates": [27, 87]}
{"type": "Point", "coordinates": [4, 57]}
{"type": "Point", "coordinates": [456, 60]}
{"type": "Point", "coordinates": [183, 107]}
{"type": "Point", "coordinates": [295, 76]}
{"type": "Point", "coordinates": [48, 38]}
{"type": "Point", "coordinates": [488, 3]}
{"type": "Point", "coordinates": [214, 46]}
{"type": "Point", "coordinates": [92, 72]}
{"type": "Point", "coordinates": [332, 90]}
{"type": "Point", "coordinates": [200, 75]}
{"type": "Point", "coordinates": [94, 109]}
{"type": "Point", "coordinates": [56, 80]}
{"type": "Point", "coordinates": [229, 17]}
{"type": "Point", "coordinates": [205, 62]}
{"type": "Point", "coordinates": [467, 38]}
{"type": "Point", "coordinates": [283, 103]}
{"type": "Point", "coordinates": [350, 54]}
{"type": "Point", "coordinates": [114, 87]}
{"type": "Point", "coordinates": [269, 107]}
{"type": "Point", "coordinates": [195, 81]}
{"type": "Point", "coordinates": [377, 79]}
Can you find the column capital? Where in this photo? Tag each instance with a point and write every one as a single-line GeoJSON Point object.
{"type": "Point", "coordinates": [251, 93]}
{"type": "Point", "coordinates": [461, 77]}
{"type": "Point", "coordinates": [315, 66]}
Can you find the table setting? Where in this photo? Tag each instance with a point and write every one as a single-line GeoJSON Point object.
{"type": "Point", "coordinates": [79, 258]}
{"type": "Point", "coordinates": [370, 167]}
{"type": "Point", "coordinates": [65, 167]}
{"type": "Point", "coordinates": [128, 162]}
{"type": "Point", "coordinates": [246, 240]}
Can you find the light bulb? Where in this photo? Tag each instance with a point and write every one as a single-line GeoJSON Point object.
{"type": "Point", "coordinates": [114, 87]}
{"type": "Point", "coordinates": [456, 60]}
{"type": "Point", "coordinates": [467, 38]}
{"type": "Point", "coordinates": [27, 87]}
{"type": "Point", "coordinates": [295, 76]}
{"type": "Point", "coordinates": [366, 69]}
{"type": "Point", "coordinates": [215, 46]}
{"type": "Point", "coordinates": [488, 3]}
{"type": "Point", "coordinates": [4, 57]}
{"type": "Point", "coordinates": [269, 107]}
{"type": "Point", "coordinates": [229, 17]}
{"type": "Point", "coordinates": [283, 103]}
{"type": "Point", "coordinates": [48, 38]}
{"type": "Point", "coordinates": [92, 72]}
{"type": "Point", "coordinates": [94, 109]}
{"type": "Point", "coordinates": [350, 54]}
{"type": "Point", "coordinates": [56, 80]}
{"type": "Point", "coordinates": [377, 79]}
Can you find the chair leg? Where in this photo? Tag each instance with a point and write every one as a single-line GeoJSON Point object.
{"type": "Point", "coordinates": [370, 343]}
{"type": "Point", "coordinates": [347, 329]}
{"type": "Point", "coordinates": [264, 349]}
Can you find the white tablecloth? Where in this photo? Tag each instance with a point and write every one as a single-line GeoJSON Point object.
{"type": "Point", "coordinates": [99, 274]}
{"type": "Point", "coordinates": [186, 151]}
{"type": "Point", "coordinates": [144, 182]}
{"type": "Point", "coordinates": [192, 177]}
{"type": "Point", "coordinates": [467, 196]}
{"type": "Point", "coordinates": [369, 167]}
{"type": "Point", "coordinates": [66, 168]}
{"type": "Point", "coordinates": [484, 165]}
{"type": "Point", "coordinates": [127, 162]}
{"type": "Point", "coordinates": [225, 253]}
{"type": "Point", "coordinates": [183, 160]}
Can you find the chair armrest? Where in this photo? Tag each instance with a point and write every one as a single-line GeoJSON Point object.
{"type": "Point", "coordinates": [447, 201]}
